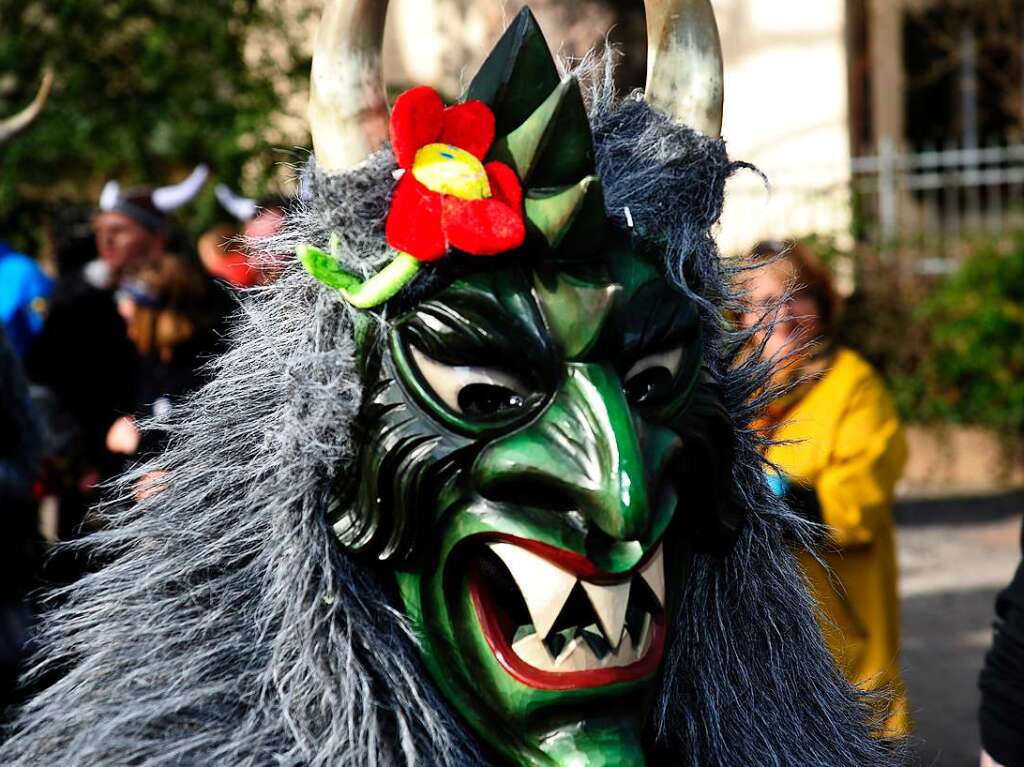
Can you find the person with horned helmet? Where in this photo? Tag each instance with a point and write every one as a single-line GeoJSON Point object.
{"type": "Point", "coordinates": [83, 355]}
{"type": "Point", "coordinates": [474, 485]}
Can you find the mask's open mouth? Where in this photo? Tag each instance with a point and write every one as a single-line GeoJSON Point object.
{"type": "Point", "coordinates": [555, 622]}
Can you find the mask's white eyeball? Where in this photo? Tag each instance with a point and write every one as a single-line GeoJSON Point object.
{"type": "Point", "coordinates": [476, 392]}
{"type": "Point", "coordinates": [651, 377]}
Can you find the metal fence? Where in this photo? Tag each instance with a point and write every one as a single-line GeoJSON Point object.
{"type": "Point", "coordinates": [919, 211]}
{"type": "Point", "coordinates": [928, 208]}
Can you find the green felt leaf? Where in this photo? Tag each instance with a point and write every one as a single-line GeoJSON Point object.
{"type": "Point", "coordinates": [385, 284]}
{"type": "Point", "coordinates": [325, 268]}
{"type": "Point", "coordinates": [518, 74]}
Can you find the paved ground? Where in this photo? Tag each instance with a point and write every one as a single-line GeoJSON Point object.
{"type": "Point", "coordinates": [955, 554]}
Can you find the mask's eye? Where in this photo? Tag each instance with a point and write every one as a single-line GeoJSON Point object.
{"type": "Point", "coordinates": [476, 392]}
{"type": "Point", "coordinates": [650, 380]}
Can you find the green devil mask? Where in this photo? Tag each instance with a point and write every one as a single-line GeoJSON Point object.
{"type": "Point", "coordinates": [534, 422]}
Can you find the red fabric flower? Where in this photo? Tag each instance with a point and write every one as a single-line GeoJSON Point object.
{"type": "Point", "coordinates": [446, 197]}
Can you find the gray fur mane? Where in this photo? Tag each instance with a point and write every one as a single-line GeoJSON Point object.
{"type": "Point", "coordinates": [228, 627]}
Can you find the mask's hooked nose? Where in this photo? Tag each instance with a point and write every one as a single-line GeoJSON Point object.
{"type": "Point", "coordinates": [582, 454]}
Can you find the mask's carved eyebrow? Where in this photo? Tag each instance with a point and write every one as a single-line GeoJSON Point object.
{"type": "Point", "coordinates": [647, 318]}
{"type": "Point", "coordinates": [470, 324]}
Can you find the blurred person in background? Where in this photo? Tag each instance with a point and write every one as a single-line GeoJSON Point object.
{"type": "Point", "coordinates": [24, 291]}
{"type": "Point", "coordinates": [171, 314]}
{"type": "Point", "coordinates": [839, 449]}
{"type": "Point", "coordinates": [1002, 680]}
{"type": "Point", "coordinates": [83, 356]}
{"type": "Point", "coordinates": [223, 249]}
{"type": "Point", "coordinates": [24, 286]}
{"type": "Point", "coordinates": [21, 546]}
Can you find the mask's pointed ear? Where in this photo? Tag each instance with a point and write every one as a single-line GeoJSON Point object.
{"type": "Point", "coordinates": [517, 76]}
{"type": "Point", "coordinates": [553, 146]}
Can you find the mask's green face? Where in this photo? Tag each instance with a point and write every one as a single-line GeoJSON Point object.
{"type": "Point", "coordinates": [542, 448]}
{"type": "Point", "coordinates": [528, 429]}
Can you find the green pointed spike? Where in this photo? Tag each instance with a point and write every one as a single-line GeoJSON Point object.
{"type": "Point", "coordinates": [553, 147]}
{"type": "Point", "coordinates": [574, 310]}
{"type": "Point", "coordinates": [518, 74]}
{"type": "Point", "coordinates": [554, 213]}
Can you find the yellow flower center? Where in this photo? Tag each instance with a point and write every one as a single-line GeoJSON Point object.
{"type": "Point", "coordinates": [449, 170]}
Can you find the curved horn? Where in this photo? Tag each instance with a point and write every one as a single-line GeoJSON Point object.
{"type": "Point", "coordinates": [684, 63]}
{"type": "Point", "coordinates": [17, 123]}
{"type": "Point", "coordinates": [168, 198]}
{"type": "Point", "coordinates": [110, 195]}
{"type": "Point", "coordinates": [242, 208]}
{"type": "Point", "coordinates": [348, 108]}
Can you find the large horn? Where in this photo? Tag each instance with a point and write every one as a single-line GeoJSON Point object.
{"type": "Point", "coordinates": [17, 123]}
{"type": "Point", "coordinates": [684, 63]}
{"type": "Point", "coordinates": [348, 108]}
{"type": "Point", "coordinates": [172, 197]}
{"type": "Point", "coordinates": [242, 208]}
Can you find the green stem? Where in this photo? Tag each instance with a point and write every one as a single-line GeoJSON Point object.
{"type": "Point", "coordinates": [384, 284]}
{"type": "Point", "coordinates": [359, 293]}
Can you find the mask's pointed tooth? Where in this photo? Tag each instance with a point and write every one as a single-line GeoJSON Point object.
{"type": "Point", "coordinates": [553, 214]}
{"type": "Point", "coordinates": [569, 651]}
{"type": "Point", "coordinates": [609, 602]}
{"type": "Point", "coordinates": [577, 657]}
{"type": "Point", "coordinates": [544, 586]}
{"type": "Point", "coordinates": [654, 574]}
{"type": "Point", "coordinates": [622, 656]}
{"type": "Point", "coordinates": [531, 649]}
{"type": "Point", "coordinates": [627, 653]}
{"type": "Point", "coordinates": [643, 643]}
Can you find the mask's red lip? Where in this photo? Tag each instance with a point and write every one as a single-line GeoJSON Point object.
{"type": "Point", "coordinates": [570, 561]}
{"type": "Point", "coordinates": [542, 679]}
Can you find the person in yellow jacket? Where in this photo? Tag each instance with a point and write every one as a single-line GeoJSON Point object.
{"type": "Point", "coordinates": [839, 449]}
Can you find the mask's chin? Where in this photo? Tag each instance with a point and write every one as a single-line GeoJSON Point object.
{"type": "Point", "coordinates": [554, 622]}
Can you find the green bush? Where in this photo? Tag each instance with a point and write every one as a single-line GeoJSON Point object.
{"type": "Point", "coordinates": [971, 369]}
{"type": "Point", "coordinates": [951, 350]}
{"type": "Point", "coordinates": [144, 90]}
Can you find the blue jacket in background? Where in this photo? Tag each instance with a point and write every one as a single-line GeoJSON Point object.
{"type": "Point", "coordinates": [24, 290]}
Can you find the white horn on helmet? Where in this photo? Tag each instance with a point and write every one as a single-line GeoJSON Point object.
{"type": "Point", "coordinates": [242, 208]}
{"type": "Point", "coordinates": [110, 195]}
{"type": "Point", "coordinates": [168, 198]}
